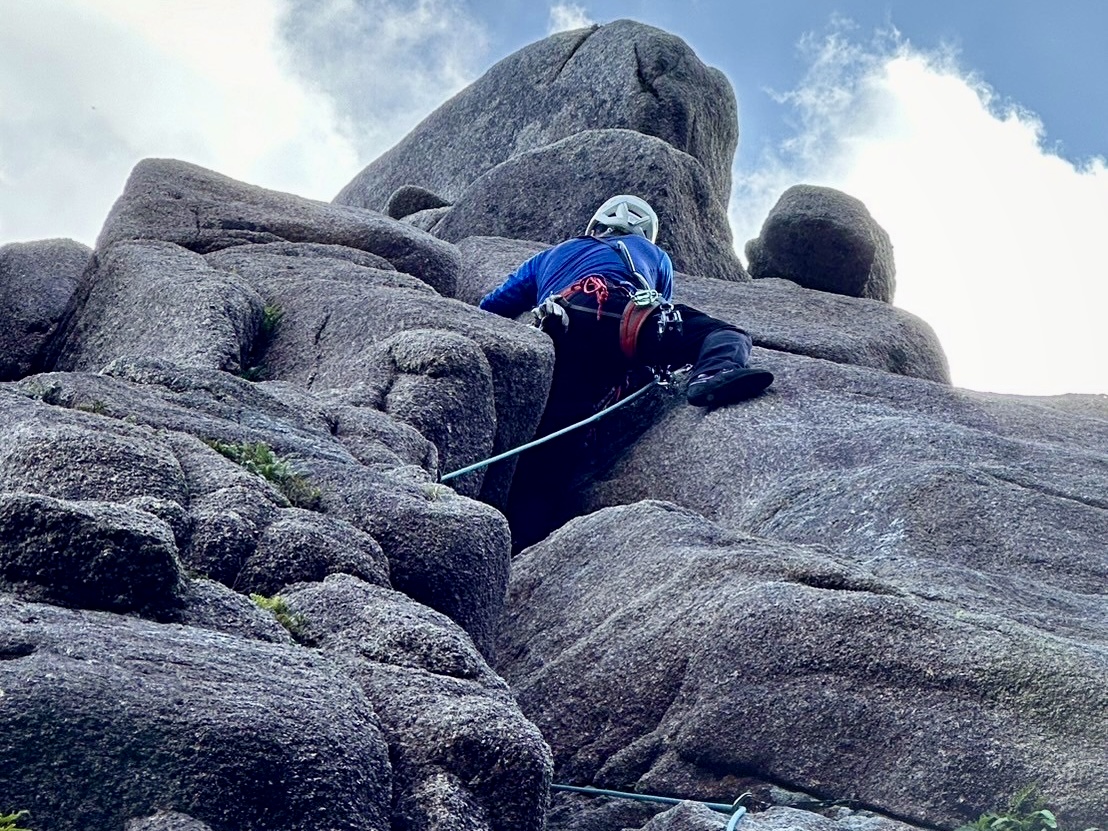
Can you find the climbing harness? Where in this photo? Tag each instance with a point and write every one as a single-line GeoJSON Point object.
{"type": "Point", "coordinates": [661, 379]}
{"type": "Point", "coordinates": [646, 301]}
{"type": "Point", "coordinates": [736, 810]}
{"type": "Point", "coordinates": [594, 286]}
{"type": "Point", "coordinates": [639, 304]}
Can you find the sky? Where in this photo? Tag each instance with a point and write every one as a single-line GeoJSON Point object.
{"type": "Point", "coordinates": [976, 133]}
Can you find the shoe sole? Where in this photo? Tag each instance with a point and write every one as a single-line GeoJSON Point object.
{"type": "Point", "coordinates": [729, 390]}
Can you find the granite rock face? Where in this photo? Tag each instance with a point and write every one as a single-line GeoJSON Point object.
{"type": "Point", "coordinates": [167, 821]}
{"type": "Point", "coordinates": [577, 174]}
{"type": "Point", "coordinates": [535, 145]}
{"type": "Point", "coordinates": [235, 592]}
{"type": "Point", "coordinates": [37, 282]}
{"type": "Point", "coordinates": [114, 717]}
{"type": "Point", "coordinates": [428, 361]}
{"type": "Point", "coordinates": [460, 748]}
{"type": "Point", "coordinates": [87, 555]}
{"type": "Point", "coordinates": [137, 436]}
{"type": "Point", "coordinates": [623, 75]}
{"type": "Point", "coordinates": [203, 211]}
{"type": "Point", "coordinates": [825, 239]}
{"type": "Point", "coordinates": [877, 566]}
{"type": "Point", "coordinates": [157, 299]}
{"type": "Point", "coordinates": [664, 654]}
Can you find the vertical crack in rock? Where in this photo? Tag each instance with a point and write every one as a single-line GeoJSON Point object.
{"type": "Point", "coordinates": [316, 341]}
{"type": "Point", "coordinates": [196, 215]}
{"type": "Point", "coordinates": [319, 330]}
{"type": "Point", "coordinates": [645, 83]}
{"type": "Point", "coordinates": [573, 51]}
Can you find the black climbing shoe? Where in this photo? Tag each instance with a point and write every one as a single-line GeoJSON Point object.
{"type": "Point", "coordinates": [727, 387]}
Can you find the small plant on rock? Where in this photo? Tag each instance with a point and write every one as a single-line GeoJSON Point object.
{"type": "Point", "coordinates": [259, 459]}
{"type": "Point", "coordinates": [10, 822]}
{"type": "Point", "coordinates": [95, 406]}
{"type": "Point", "coordinates": [1027, 812]}
{"type": "Point", "coordinates": [255, 369]}
{"type": "Point", "coordinates": [433, 491]}
{"type": "Point", "coordinates": [277, 606]}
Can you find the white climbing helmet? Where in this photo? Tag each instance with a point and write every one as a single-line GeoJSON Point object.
{"type": "Point", "coordinates": [625, 214]}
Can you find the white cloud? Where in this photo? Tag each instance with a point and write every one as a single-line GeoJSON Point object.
{"type": "Point", "coordinates": [89, 88]}
{"type": "Point", "coordinates": [386, 63]}
{"type": "Point", "coordinates": [565, 16]}
{"type": "Point", "coordinates": [999, 243]}
{"type": "Point", "coordinates": [287, 94]}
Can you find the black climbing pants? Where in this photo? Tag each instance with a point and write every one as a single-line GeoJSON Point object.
{"type": "Point", "coordinates": [589, 363]}
{"type": "Point", "coordinates": [589, 369]}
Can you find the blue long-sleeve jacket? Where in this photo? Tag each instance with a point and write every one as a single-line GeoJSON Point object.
{"type": "Point", "coordinates": [557, 268]}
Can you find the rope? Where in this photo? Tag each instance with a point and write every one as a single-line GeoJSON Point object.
{"type": "Point", "coordinates": [737, 811]}
{"type": "Point", "coordinates": [594, 285]}
{"type": "Point", "coordinates": [509, 453]}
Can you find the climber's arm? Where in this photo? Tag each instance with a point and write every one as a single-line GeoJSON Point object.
{"type": "Point", "coordinates": [517, 294]}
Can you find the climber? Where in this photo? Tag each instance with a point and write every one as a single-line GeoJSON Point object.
{"type": "Point", "coordinates": [605, 299]}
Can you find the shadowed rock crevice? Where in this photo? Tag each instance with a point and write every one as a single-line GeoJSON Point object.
{"type": "Point", "coordinates": [645, 82]}
{"type": "Point", "coordinates": [1014, 478]}
{"type": "Point", "coordinates": [842, 583]}
{"type": "Point", "coordinates": [13, 650]}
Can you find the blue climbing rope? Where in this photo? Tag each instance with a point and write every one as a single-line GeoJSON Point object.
{"type": "Point", "coordinates": [596, 416]}
{"type": "Point", "coordinates": [736, 810]}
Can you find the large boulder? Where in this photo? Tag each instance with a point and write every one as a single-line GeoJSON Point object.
{"type": "Point", "coordinates": [784, 317]}
{"type": "Point", "coordinates": [662, 653]}
{"type": "Point", "coordinates": [106, 718]}
{"type": "Point", "coordinates": [37, 283]}
{"type": "Point", "coordinates": [203, 211]}
{"type": "Point", "coordinates": [412, 199]}
{"type": "Point", "coordinates": [857, 609]}
{"type": "Point", "coordinates": [578, 173]}
{"type": "Point", "coordinates": [92, 555]}
{"type": "Point", "coordinates": [79, 455]}
{"type": "Point", "coordinates": [446, 551]}
{"type": "Point", "coordinates": [824, 239]}
{"type": "Point", "coordinates": [305, 546]}
{"type": "Point", "coordinates": [463, 755]}
{"type": "Point", "coordinates": [623, 75]}
{"type": "Point", "coordinates": [471, 382]}
{"type": "Point", "coordinates": [151, 299]}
